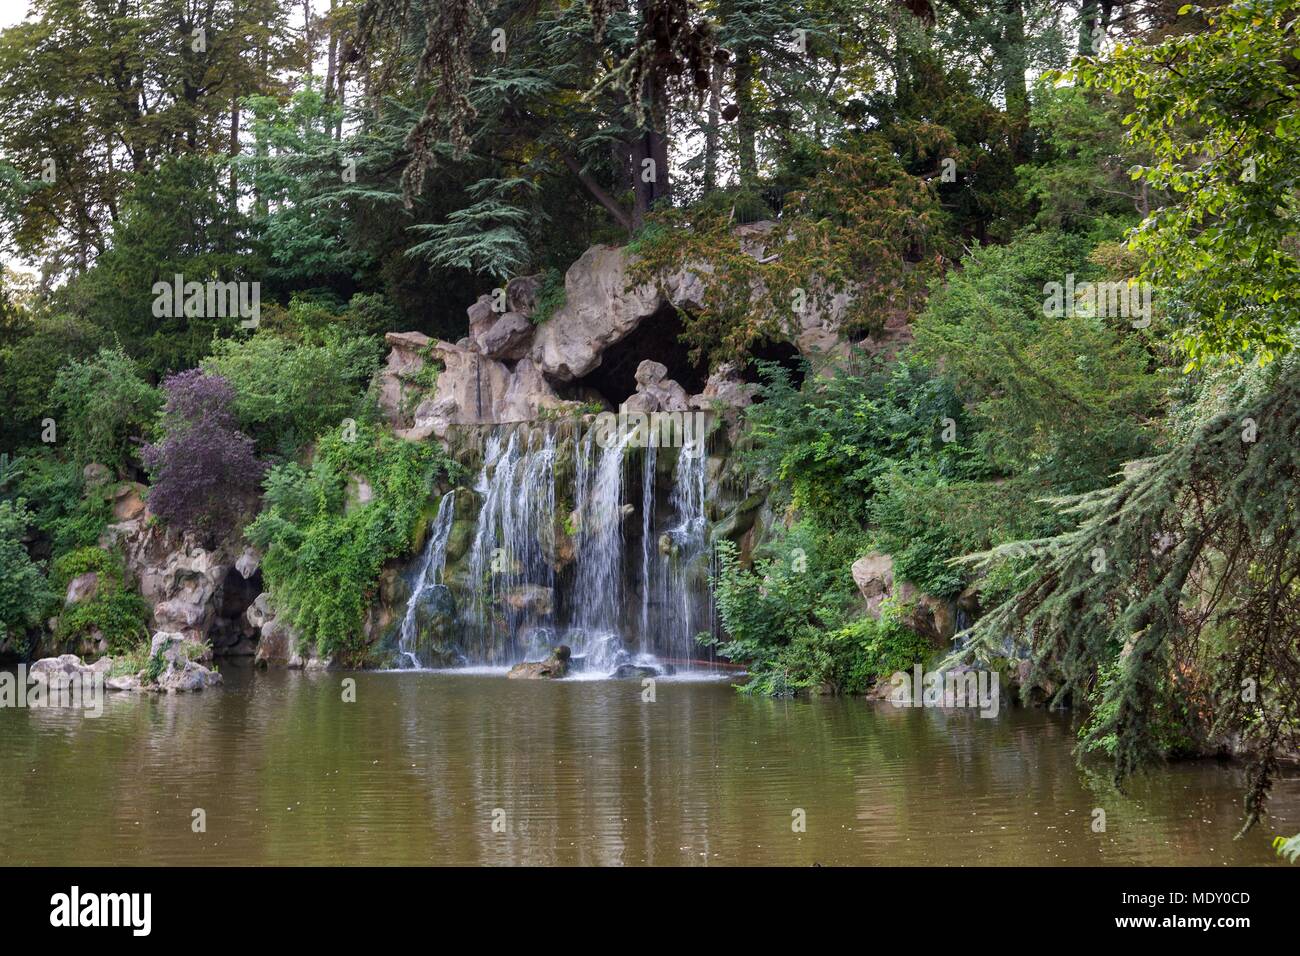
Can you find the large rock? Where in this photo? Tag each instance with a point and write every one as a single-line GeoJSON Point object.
{"type": "Point", "coordinates": [599, 310]}
{"type": "Point", "coordinates": [508, 338]}
{"type": "Point", "coordinates": [934, 618]}
{"type": "Point", "coordinates": [555, 666]}
{"type": "Point", "coordinates": [181, 671]}
{"type": "Point", "coordinates": [81, 588]}
{"type": "Point", "coordinates": [874, 576]}
{"type": "Point", "coordinates": [128, 501]}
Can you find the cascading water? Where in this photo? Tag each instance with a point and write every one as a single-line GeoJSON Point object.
{"type": "Point", "coordinates": [536, 577]}
{"type": "Point", "coordinates": [513, 576]}
{"type": "Point", "coordinates": [597, 618]}
{"type": "Point", "coordinates": [430, 576]}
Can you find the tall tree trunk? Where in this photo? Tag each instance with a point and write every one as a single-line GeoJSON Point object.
{"type": "Point", "coordinates": [1013, 63]}
{"type": "Point", "coordinates": [746, 121]}
{"type": "Point", "coordinates": [713, 128]}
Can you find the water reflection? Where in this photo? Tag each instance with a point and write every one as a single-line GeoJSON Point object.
{"type": "Point", "coordinates": [423, 765]}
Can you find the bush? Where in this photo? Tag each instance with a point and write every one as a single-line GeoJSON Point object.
{"type": "Point", "coordinates": [105, 407]}
{"type": "Point", "coordinates": [205, 473]}
{"type": "Point", "coordinates": [116, 611]}
{"type": "Point", "coordinates": [322, 558]}
{"type": "Point", "coordinates": [62, 514]}
{"type": "Point", "coordinates": [24, 592]}
{"type": "Point", "coordinates": [287, 392]}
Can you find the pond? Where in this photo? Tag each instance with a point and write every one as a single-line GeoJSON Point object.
{"type": "Point", "coordinates": [471, 768]}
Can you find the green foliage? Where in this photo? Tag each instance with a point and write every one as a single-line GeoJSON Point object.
{"type": "Point", "coordinates": [105, 408]}
{"type": "Point", "coordinates": [32, 350]}
{"type": "Point", "coordinates": [24, 592]}
{"type": "Point", "coordinates": [1067, 398]}
{"type": "Point", "coordinates": [322, 555]}
{"type": "Point", "coordinates": [287, 392]}
{"type": "Point", "coordinates": [62, 514]}
{"type": "Point", "coordinates": [116, 611]}
{"type": "Point", "coordinates": [789, 619]}
{"type": "Point", "coordinates": [1216, 110]}
{"type": "Point", "coordinates": [550, 297]}
{"type": "Point", "coordinates": [1288, 848]}
{"type": "Point", "coordinates": [829, 442]}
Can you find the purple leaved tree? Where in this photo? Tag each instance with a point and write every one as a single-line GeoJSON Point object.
{"type": "Point", "coordinates": [205, 475]}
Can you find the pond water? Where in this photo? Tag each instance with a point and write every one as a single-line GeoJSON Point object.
{"type": "Point", "coordinates": [455, 768]}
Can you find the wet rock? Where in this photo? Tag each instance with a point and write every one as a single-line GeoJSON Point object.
{"type": "Point", "coordinates": [633, 672]}
{"type": "Point", "coordinates": [68, 665]}
{"type": "Point", "coordinates": [181, 671]}
{"type": "Point", "coordinates": [531, 598]}
{"type": "Point", "coordinates": [555, 666]}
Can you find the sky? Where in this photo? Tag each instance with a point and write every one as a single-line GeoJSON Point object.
{"type": "Point", "coordinates": [12, 11]}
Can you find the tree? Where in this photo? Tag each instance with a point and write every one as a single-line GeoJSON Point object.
{"type": "Point", "coordinates": [24, 592]}
{"type": "Point", "coordinates": [105, 408]}
{"type": "Point", "coordinates": [205, 474]}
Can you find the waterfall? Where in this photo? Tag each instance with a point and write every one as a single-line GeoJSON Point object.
{"type": "Point", "coordinates": [687, 548]}
{"type": "Point", "coordinates": [431, 568]}
{"type": "Point", "coordinates": [598, 586]}
{"type": "Point", "coordinates": [512, 576]}
{"type": "Point", "coordinates": [524, 589]}
{"type": "Point", "coordinates": [648, 462]}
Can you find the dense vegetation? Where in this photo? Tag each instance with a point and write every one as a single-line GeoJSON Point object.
{"type": "Point", "coordinates": [1113, 481]}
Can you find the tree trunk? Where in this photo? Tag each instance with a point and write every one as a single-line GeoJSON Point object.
{"type": "Point", "coordinates": [746, 121]}
{"type": "Point", "coordinates": [713, 128]}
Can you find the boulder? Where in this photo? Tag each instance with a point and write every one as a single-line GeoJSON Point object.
{"type": "Point", "coordinates": [65, 665]}
{"type": "Point", "coordinates": [522, 293]}
{"type": "Point", "coordinates": [532, 599]}
{"type": "Point", "coordinates": [181, 671]}
{"type": "Point", "coordinates": [96, 475]}
{"type": "Point", "coordinates": [874, 576]}
{"type": "Point", "coordinates": [599, 310]}
{"type": "Point", "coordinates": [81, 588]}
{"type": "Point", "coordinates": [248, 563]}
{"type": "Point", "coordinates": [508, 338]}
{"type": "Point", "coordinates": [724, 389]}
{"type": "Point", "coordinates": [555, 666]}
{"type": "Point", "coordinates": [128, 501]}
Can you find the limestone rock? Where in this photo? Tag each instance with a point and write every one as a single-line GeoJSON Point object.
{"type": "Point", "coordinates": [509, 337]}
{"type": "Point", "coordinates": [874, 576]}
{"type": "Point", "coordinates": [248, 563]}
{"type": "Point", "coordinates": [128, 501]}
{"type": "Point", "coordinates": [81, 588]}
{"type": "Point", "coordinates": [522, 293]}
{"type": "Point", "coordinates": [181, 672]}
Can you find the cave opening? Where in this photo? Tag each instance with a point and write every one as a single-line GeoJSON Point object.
{"type": "Point", "coordinates": [659, 338]}
{"type": "Point", "coordinates": [782, 354]}
{"type": "Point", "coordinates": [231, 633]}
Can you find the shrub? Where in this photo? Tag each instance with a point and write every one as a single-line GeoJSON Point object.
{"type": "Point", "coordinates": [322, 558]}
{"type": "Point", "coordinates": [104, 407]}
{"type": "Point", "coordinates": [116, 611]}
{"type": "Point", "coordinates": [287, 392]}
{"type": "Point", "coordinates": [205, 473]}
{"type": "Point", "coordinates": [24, 592]}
